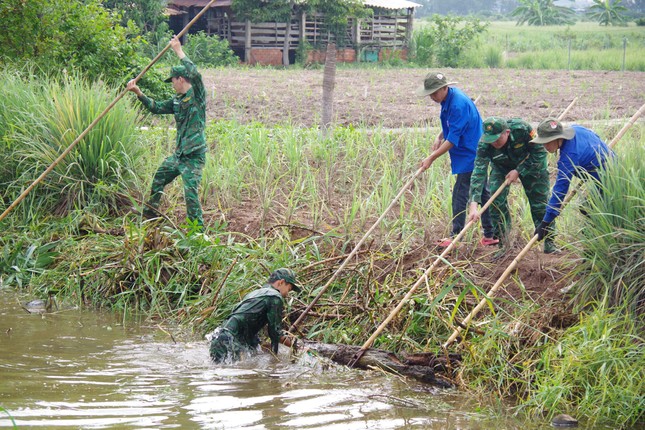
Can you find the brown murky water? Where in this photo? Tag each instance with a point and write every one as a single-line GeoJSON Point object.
{"type": "Point", "coordinates": [78, 369]}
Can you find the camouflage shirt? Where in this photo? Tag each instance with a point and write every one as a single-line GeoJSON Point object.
{"type": "Point", "coordinates": [258, 308]}
{"type": "Point", "coordinates": [517, 154]}
{"type": "Point", "coordinates": [190, 113]}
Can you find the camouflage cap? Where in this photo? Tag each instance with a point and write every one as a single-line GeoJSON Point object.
{"type": "Point", "coordinates": [432, 82]}
{"type": "Point", "coordinates": [288, 275]}
{"type": "Point", "coordinates": [176, 72]}
{"type": "Point", "coordinates": [493, 128]}
{"type": "Point", "coordinates": [551, 129]}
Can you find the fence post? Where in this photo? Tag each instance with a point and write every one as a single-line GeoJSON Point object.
{"type": "Point", "coordinates": [624, 51]}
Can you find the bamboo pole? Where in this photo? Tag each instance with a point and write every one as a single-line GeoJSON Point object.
{"type": "Point", "coordinates": [529, 245]}
{"type": "Point", "coordinates": [356, 248]}
{"type": "Point", "coordinates": [351, 254]}
{"type": "Point", "coordinates": [436, 262]}
{"type": "Point", "coordinates": [93, 123]}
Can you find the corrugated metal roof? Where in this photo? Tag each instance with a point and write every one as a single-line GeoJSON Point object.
{"type": "Point", "coordinates": [385, 4]}
{"type": "Point", "coordinates": [198, 3]}
{"type": "Point", "coordinates": [391, 4]}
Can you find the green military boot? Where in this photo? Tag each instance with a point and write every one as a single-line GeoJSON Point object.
{"type": "Point", "coordinates": [549, 247]}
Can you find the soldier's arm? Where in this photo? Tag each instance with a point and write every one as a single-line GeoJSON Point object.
{"type": "Point", "coordinates": [195, 80]}
{"type": "Point", "coordinates": [164, 107]}
{"type": "Point", "coordinates": [274, 318]}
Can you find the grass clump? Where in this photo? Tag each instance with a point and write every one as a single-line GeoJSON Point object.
{"type": "Point", "coordinates": [40, 118]}
{"type": "Point", "coordinates": [612, 242]}
{"type": "Point", "coordinates": [596, 370]}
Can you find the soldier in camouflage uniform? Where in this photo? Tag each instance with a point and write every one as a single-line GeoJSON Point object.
{"type": "Point", "coordinates": [189, 108]}
{"type": "Point", "coordinates": [506, 146]}
{"type": "Point", "coordinates": [239, 333]}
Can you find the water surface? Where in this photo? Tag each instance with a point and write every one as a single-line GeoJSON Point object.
{"type": "Point", "coordinates": [76, 369]}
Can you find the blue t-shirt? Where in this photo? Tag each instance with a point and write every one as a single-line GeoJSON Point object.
{"type": "Point", "coordinates": [462, 126]}
{"type": "Point", "coordinates": [579, 157]}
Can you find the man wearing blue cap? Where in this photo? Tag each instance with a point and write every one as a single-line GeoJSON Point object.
{"type": "Point", "coordinates": [189, 108]}
{"type": "Point", "coordinates": [239, 333]}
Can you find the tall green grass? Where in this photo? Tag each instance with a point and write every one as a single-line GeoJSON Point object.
{"type": "Point", "coordinates": [612, 241]}
{"type": "Point", "coordinates": [582, 46]}
{"type": "Point", "coordinates": [41, 117]}
{"type": "Point", "coordinates": [595, 371]}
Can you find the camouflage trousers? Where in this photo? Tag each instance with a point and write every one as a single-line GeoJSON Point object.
{"type": "Point", "coordinates": [225, 347]}
{"type": "Point", "coordinates": [537, 189]}
{"type": "Point", "coordinates": [190, 168]}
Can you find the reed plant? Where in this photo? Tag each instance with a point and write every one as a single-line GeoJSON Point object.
{"type": "Point", "coordinates": [46, 118]}
{"type": "Point", "coordinates": [611, 241]}
{"type": "Point", "coordinates": [595, 370]}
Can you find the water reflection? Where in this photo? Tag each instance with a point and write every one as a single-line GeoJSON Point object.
{"type": "Point", "coordinates": [80, 369]}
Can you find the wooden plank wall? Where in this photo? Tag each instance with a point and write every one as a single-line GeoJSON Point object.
{"type": "Point", "coordinates": [380, 30]}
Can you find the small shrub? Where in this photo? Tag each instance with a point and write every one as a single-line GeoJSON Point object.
{"type": "Point", "coordinates": [209, 51]}
{"type": "Point", "coordinates": [493, 57]}
{"type": "Point", "coordinates": [444, 39]}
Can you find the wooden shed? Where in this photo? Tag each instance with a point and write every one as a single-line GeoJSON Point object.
{"type": "Point", "coordinates": [385, 33]}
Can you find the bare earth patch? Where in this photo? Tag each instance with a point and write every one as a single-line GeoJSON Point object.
{"type": "Point", "coordinates": [386, 97]}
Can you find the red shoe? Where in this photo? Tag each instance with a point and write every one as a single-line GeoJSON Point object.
{"type": "Point", "coordinates": [488, 241]}
{"type": "Point", "coordinates": [443, 243]}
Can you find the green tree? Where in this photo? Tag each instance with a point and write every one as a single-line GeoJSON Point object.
{"type": "Point", "coordinates": [148, 15]}
{"type": "Point", "coordinates": [607, 12]}
{"type": "Point", "coordinates": [542, 12]}
{"type": "Point", "coordinates": [71, 34]}
{"type": "Point", "coordinates": [442, 41]}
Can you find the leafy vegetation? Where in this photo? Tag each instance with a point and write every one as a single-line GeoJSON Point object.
{"type": "Point", "coordinates": [43, 119]}
{"type": "Point", "coordinates": [441, 40]}
{"type": "Point", "coordinates": [596, 370]}
{"type": "Point", "coordinates": [207, 51]}
{"type": "Point", "coordinates": [608, 12]}
{"type": "Point", "coordinates": [78, 35]}
{"type": "Point", "coordinates": [542, 12]}
{"type": "Point", "coordinates": [612, 242]}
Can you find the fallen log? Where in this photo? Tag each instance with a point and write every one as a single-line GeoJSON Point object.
{"type": "Point", "coordinates": [421, 366]}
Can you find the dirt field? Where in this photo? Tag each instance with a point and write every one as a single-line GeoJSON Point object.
{"type": "Point", "coordinates": [387, 97]}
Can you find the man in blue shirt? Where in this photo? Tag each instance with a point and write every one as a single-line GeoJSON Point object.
{"type": "Point", "coordinates": [582, 154]}
{"type": "Point", "coordinates": [461, 129]}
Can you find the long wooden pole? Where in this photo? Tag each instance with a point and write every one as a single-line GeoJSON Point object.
{"type": "Point", "coordinates": [71, 146]}
{"type": "Point", "coordinates": [356, 248]}
{"type": "Point", "coordinates": [529, 245]}
{"type": "Point", "coordinates": [436, 262]}
{"type": "Point", "coordinates": [351, 254]}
